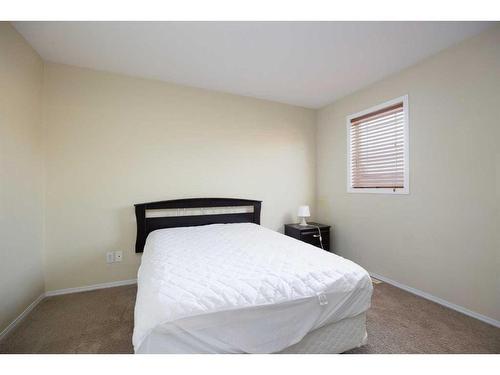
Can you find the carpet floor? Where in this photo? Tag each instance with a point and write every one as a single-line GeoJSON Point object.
{"type": "Point", "coordinates": [101, 321]}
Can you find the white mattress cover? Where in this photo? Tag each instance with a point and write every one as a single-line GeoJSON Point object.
{"type": "Point", "coordinates": [239, 288]}
{"type": "Point", "coordinates": [338, 337]}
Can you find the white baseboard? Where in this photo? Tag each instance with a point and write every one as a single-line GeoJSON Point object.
{"type": "Point", "coordinates": [59, 292]}
{"type": "Point", "coordinates": [438, 300]}
{"type": "Point", "coordinates": [21, 316]}
{"type": "Point", "coordinates": [90, 287]}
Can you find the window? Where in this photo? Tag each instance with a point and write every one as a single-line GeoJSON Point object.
{"type": "Point", "coordinates": [377, 143]}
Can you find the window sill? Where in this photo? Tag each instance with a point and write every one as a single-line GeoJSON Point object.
{"type": "Point", "coordinates": [378, 191]}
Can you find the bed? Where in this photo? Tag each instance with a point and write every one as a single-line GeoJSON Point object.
{"type": "Point", "coordinates": [212, 280]}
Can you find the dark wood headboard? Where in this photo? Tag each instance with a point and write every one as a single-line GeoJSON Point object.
{"type": "Point", "coordinates": [146, 225]}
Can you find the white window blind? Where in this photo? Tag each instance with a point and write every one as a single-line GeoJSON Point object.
{"type": "Point", "coordinates": [378, 149]}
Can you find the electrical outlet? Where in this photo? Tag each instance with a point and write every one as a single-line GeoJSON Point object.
{"type": "Point", "coordinates": [118, 256]}
{"type": "Point", "coordinates": [110, 257]}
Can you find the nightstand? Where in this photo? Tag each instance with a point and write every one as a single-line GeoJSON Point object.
{"type": "Point", "coordinates": [309, 233]}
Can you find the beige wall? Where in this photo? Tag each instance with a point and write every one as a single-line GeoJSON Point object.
{"type": "Point", "coordinates": [114, 141]}
{"type": "Point", "coordinates": [442, 238]}
{"type": "Point", "coordinates": [21, 194]}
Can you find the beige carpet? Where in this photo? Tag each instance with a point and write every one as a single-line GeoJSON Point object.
{"type": "Point", "coordinates": [101, 321]}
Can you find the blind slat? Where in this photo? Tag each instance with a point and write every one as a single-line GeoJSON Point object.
{"type": "Point", "coordinates": [388, 129]}
{"type": "Point", "coordinates": [379, 182]}
{"type": "Point", "coordinates": [384, 174]}
{"type": "Point", "coordinates": [377, 156]}
{"type": "Point", "coordinates": [381, 148]}
{"type": "Point", "coordinates": [377, 124]}
{"type": "Point", "coordinates": [378, 159]}
{"type": "Point", "coordinates": [377, 143]}
{"type": "Point", "coordinates": [377, 146]}
{"type": "Point", "coordinates": [379, 167]}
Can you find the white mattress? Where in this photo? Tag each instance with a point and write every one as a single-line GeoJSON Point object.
{"type": "Point", "coordinates": [239, 288]}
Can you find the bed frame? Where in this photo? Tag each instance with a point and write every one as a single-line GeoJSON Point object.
{"type": "Point", "coordinates": [146, 225]}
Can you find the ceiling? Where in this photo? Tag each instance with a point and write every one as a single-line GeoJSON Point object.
{"type": "Point", "coordinates": [309, 64]}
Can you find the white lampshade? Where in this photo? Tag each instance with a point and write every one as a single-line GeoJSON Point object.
{"type": "Point", "coordinates": [303, 211]}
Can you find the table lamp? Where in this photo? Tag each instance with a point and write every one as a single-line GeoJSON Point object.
{"type": "Point", "coordinates": [302, 213]}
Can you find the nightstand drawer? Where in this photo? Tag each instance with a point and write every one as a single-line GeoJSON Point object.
{"type": "Point", "coordinates": [312, 237]}
{"type": "Point", "coordinates": [310, 234]}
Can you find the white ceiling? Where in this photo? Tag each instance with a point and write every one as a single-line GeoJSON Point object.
{"type": "Point", "coordinates": [308, 64]}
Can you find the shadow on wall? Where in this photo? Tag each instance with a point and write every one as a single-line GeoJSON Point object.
{"type": "Point", "coordinates": [127, 228]}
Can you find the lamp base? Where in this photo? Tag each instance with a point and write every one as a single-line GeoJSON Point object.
{"type": "Point", "coordinates": [303, 222]}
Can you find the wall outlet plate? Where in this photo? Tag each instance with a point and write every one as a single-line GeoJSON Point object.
{"type": "Point", "coordinates": [110, 257]}
{"type": "Point", "coordinates": [118, 256]}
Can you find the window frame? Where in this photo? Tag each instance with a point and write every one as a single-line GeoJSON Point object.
{"type": "Point", "coordinates": [406, 149]}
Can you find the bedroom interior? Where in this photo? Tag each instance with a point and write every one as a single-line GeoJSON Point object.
{"type": "Point", "coordinates": [143, 213]}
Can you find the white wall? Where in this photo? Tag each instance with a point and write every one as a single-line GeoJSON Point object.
{"type": "Point", "coordinates": [21, 194]}
{"type": "Point", "coordinates": [113, 141]}
{"type": "Point", "coordinates": [442, 238]}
